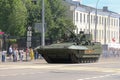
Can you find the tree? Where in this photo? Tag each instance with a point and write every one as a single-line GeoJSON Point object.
{"type": "Point", "coordinates": [57, 19]}
{"type": "Point", "coordinates": [14, 15]}
{"type": "Point", "coordinates": [34, 11]}
{"type": "Point", "coordinates": [5, 10]}
{"type": "Point", "coordinates": [17, 18]}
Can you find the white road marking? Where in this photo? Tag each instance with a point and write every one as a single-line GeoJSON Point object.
{"type": "Point", "coordinates": [29, 67]}
{"type": "Point", "coordinates": [97, 69]}
{"type": "Point", "coordinates": [18, 74]}
{"type": "Point", "coordinates": [98, 77]}
{"type": "Point", "coordinates": [61, 67]}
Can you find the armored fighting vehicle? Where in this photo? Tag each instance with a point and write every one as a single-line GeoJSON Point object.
{"type": "Point", "coordinates": [79, 49]}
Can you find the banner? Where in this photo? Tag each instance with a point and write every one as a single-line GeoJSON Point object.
{"type": "Point", "coordinates": [1, 32]}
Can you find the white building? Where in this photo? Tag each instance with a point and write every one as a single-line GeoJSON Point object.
{"type": "Point", "coordinates": [108, 22]}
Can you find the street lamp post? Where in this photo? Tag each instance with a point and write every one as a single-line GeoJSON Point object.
{"type": "Point", "coordinates": [96, 20]}
{"type": "Point", "coordinates": [43, 24]}
{"type": "Point", "coordinates": [109, 26]}
{"type": "Point", "coordinates": [119, 29]}
{"type": "Point", "coordinates": [89, 21]}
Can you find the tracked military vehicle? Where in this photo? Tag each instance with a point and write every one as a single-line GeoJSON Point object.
{"type": "Point", "coordinates": [79, 49]}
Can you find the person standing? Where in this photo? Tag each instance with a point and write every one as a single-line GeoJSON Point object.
{"type": "Point", "coordinates": [15, 55]}
{"type": "Point", "coordinates": [31, 53]}
{"type": "Point", "coordinates": [27, 53]}
{"type": "Point", "coordinates": [36, 55]}
{"type": "Point", "coordinates": [22, 54]}
{"type": "Point", "coordinates": [19, 54]}
{"type": "Point", "coordinates": [3, 55]}
{"type": "Point", "coordinates": [10, 53]}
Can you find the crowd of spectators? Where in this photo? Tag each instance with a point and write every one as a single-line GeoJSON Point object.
{"type": "Point", "coordinates": [19, 54]}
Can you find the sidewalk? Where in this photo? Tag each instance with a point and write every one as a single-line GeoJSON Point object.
{"type": "Point", "coordinates": [109, 59]}
{"type": "Point", "coordinates": [7, 61]}
{"type": "Point", "coordinates": [39, 61]}
{"type": "Point", "coordinates": [102, 59]}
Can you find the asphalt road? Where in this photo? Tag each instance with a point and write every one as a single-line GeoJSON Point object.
{"type": "Point", "coordinates": [105, 69]}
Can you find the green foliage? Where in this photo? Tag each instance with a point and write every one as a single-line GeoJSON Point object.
{"type": "Point", "coordinates": [5, 10]}
{"type": "Point", "coordinates": [13, 17]}
{"type": "Point", "coordinates": [57, 20]}
{"type": "Point", "coordinates": [34, 11]}
{"type": "Point", "coordinates": [16, 15]}
{"type": "Point", "coordinates": [12, 41]}
{"type": "Point", "coordinates": [17, 18]}
{"type": "Point", "coordinates": [55, 17]}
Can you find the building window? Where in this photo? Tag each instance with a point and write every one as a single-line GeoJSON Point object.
{"type": "Point", "coordinates": [80, 29]}
{"type": "Point", "coordinates": [108, 19]}
{"type": "Point", "coordinates": [114, 22]}
{"type": "Point", "coordinates": [108, 34]}
{"type": "Point", "coordinates": [105, 22]}
{"type": "Point", "coordinates": [77, 30]}
{"type": "Point", "coordinates": [88, 18]}
{"type": "Point", "coordinates": [84, 18]}
{"type": "Point", "coordinates": [100, 20]}
{"type": "Point", "coordinates": [84, 30]}
{"type": "Point", "coordinates": [96, 19]}
{"type": "Point", "coordinates": [91, 19]}
{"type": "Point", "coordinates": [77, 16]}
{"type": "Point", "coordinates": [81, 17]}
{"type": "Point", "coordinates": [112, 34]}
{"type": "Point", "coordinates": [102, 34]}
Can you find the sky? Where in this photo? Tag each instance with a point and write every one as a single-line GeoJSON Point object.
{"type": "Point", "coordinates": [113, 5]}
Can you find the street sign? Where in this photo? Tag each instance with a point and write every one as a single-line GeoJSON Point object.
{"type": "Point", "coordinates": [29, 36]}
{"type": "Point", "coordinates": [29, 28]}
{"type": "Point", "coordinates": [28, 44]}
{"type": "Point", "coordinates": [38, 27]}
{"type": "Point", "coordinates": [29, 33]}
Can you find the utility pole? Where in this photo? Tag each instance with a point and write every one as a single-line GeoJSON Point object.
{"type": "Point", "coordinates": [119, 30]}
{"type": "Point", "coordinates": [109, 27]}
{"type": "Point", "coordinates": [96, 21]}
{"type": "Point", "coordinates": [89, 21]}
{"type": "Point", "coordinates": [105, 33]}
{"type": "Point", "coordinates": [43, 24]}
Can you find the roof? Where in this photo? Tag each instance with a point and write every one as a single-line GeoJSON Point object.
{"type": "Point", "coordinates": [85, 8]}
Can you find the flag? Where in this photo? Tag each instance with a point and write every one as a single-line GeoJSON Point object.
{"type": "Point", "coordinates": [1, 32]}
{"type": "Point", "coordinates": [113, 39]}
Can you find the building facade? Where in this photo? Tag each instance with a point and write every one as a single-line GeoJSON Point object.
{"type": "Point", "coordinates": [107, 29]}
